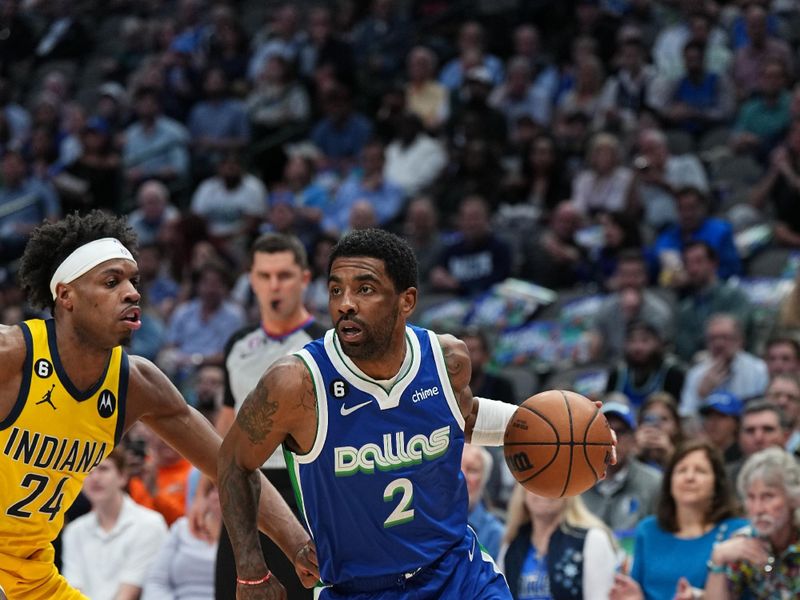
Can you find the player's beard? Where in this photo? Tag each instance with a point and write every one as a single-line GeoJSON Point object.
{"type": "Point", "coordinates": [376, 340]}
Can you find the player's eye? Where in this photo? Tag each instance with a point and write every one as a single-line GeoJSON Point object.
{"type": "Point", "coordinates": [365, 289]}
{"type": "Point", "coordinates": [334, 291]}
{"type": "Point", "coordinates": [111, 283]}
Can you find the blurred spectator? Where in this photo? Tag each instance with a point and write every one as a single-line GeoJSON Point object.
{"type": "Point", "coordinates": [24, 203]}
{"type": "Point", "coordinates": [695, 26]}
{"type": "Point", "coordinates": [278, 100]}
{"type": "Point", "coordinates": [606, 184]}
{"type": "Point", "coordinates": [645, 368]}
{"type": "Point", "coordinates": [155, 145]}
{"type": "Point", "coordinates": [342, 132]}
{"type": "Point", "coordinates": [784, 391]}
{"type": "Point", "coordinates": [584, 98]}
{"type": "Point", "coordinates": [543, 74]}
{"type": "Point", "coordinates": [762, 560]}
{"type": "Point", "coordinates": [476, 464]}
{"type": "Point", "coordinates": [316, 296]}
{"type": "Point", "coordinates": [631, 301]}
{"type": "Point", "coordinates": [282, 37]}
{"type": "Point", "coordinates": [519, 97]}
{"type": "Point", "coordinates": [199, 328]}
{"type": "Point", "coordinates": [413, 159]}
{"type": "Point", "coordinates": [727, 367]}
{"type": "Point", "coordinates": [659, 177]}
{"type": "Point", "coordinates": [555, 548]}
{"type": "Point", "coordinates": [696, 511]}
{"type": "Point", "coordinates": [300, 189]}
{"type": "Point", "coordinates": [471, 53]}
{"type": "Point", "coordinates": [161, 486]}
{"type": "Point", "coordinates": [16, 116]}
{"type": "Point", "coordinates": [421, 230]}
{"type": "Point", "coordinates": [183, 568]}
{"type": "Point", "coordinates": [367, 182]}
{"type": "Point", "coordinates": [132, 51]}
{"type": "Point", "coordinates": [217, 124]}
{"type": "Point", "coordinates": [782, 355]}
{"type": "Point", "coordinates": [758, 51]}
{"type": "Point", "coordinates": [482, 382]}
{"type": "Point", "coordinates": [553, 259]}
{"type": "Point", "coordinates": [325, 47]}
{"type": "Point", "coordinates": [233, 204]}
{"type": "Point", "coordinates": [228, 51]}
{"type": "Point", "coordinates": [477, 259]}
{"type": "Point", "coordinates": [474, 170]}
{"type": "Point", "coordinates": [107, 552]}
{"type": "Point", "coordinates": [426, 97]}
{"type": "Point", "coordinates": [380, 43]}
{"type": "Point", "coordinates": [621, 234]}
{"type": "Point", "coordinates": [630, 490]}
{"type": "Point", "coordinates": [112, 105]}
{"type": "Point", "coordinates": [158, 289]}
{"type": "Point", "coordinates": [763, 425]}
{"type": "Point", "coordinates": [94, 180]}
{"type": "Point", "coordinates": [626, 93]}
{"type": "Point", "coordinates": [699, 100]}
{"type": "Point", "coordinates": [787, 317]}
{"type": "Point", "coordinates": [153, 213]}
{"type": "Point", "coordinates": [473, 115]}
{"type": "Point", "coordinates": [780, 187]}
{"type": "Point", "coordinates": [362, 216]}
{"type": "Point", "coordinates": [763, 120]}
{"type": "Point", "coordinates": [693, 224]}
{"type": "Point", "coordinates": [544, 180]}
{"type": "Point", "coordinates": [720, 414]}
{"type": "Point", "coordinates": [704, 295]}
{"type": "Point", "coordinates": [659, 431]}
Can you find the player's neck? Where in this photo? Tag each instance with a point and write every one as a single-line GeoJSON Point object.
{"type": "Point", "coordinates": [281, 327]}
{"type": "Point", "coordinates": [82, 361]}
{"type": "Point", "coordinates": [108, 512]}
{"type": "Point", "coordinates": [387, 365]}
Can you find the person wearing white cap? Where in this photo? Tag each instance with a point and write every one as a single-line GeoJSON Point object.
{"type": "Point", "coordinates": [69, 391]}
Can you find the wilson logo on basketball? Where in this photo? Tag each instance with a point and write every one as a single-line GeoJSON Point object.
{"type": "Point", "coordinates": [520, 462]}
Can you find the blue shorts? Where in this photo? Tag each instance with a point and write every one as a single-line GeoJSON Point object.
{"type": "Point", "coordinates": [466, 572]}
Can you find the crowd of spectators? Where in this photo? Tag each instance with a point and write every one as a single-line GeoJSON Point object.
{"type": "Point", "coordinates": [646, 151]}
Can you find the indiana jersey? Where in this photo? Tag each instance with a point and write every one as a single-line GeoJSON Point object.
{"type": "Point", "coordinates": [54, 435]}
{"type": "Point", "coordinates": [381, 489]}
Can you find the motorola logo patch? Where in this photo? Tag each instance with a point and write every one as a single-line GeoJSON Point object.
{"type": "Point", "coordinates": [106, 404]}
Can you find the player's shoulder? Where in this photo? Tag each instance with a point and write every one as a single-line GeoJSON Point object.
{"type": "Point", "coordinates": [454, 349]}
{"type": "Point", "coordinates": [288, 373]}
{"type": "Point", "coordinates": [12, 349]}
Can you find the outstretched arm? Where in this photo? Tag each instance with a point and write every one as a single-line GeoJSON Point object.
{"type": "Point", "coordinates": [153, 399]}
{"type": "Point", "coordinates": [281, 409]}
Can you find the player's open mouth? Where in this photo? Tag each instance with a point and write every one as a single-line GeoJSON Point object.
{"type": "Point", "coordinates": [349, 332]}
{"type": "Point", "coordinates": [132, 318]}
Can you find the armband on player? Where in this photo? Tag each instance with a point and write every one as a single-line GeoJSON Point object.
{"type": "Point", "coordinates": [491, 422]}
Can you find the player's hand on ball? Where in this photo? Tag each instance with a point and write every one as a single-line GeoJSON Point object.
{"type": "Point", "coordinates": [306, 564]}
{"type": "Point", "coordinates": [270, 590]}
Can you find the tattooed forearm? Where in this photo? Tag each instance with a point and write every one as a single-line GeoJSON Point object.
{"type": "Point", "coordinates": [239, 492]}
{"type": "Point", "coordinates": [257, 413]}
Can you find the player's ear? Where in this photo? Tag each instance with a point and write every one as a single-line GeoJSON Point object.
{"type": "Point", "coordinates": [306, 277]}
{"type": "Point", "coordinates": [408, 301]}
{"type": "Point", "coordinates": [64, 293]}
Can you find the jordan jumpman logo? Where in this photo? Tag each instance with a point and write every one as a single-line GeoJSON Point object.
{"type": "Point", "coordinates": [46, 398]}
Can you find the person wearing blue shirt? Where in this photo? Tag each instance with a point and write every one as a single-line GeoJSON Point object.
{"type": "Point", "coordinates": [696, 511]}
{"type": "Point", "coordinates": [342, 133]}
{"type": "Point", "coordinates": [694, 224]}
{"type": "Point", "coordinates": [476, 464]}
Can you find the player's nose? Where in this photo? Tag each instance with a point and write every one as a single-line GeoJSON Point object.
{"type": "Point", "coordinates": [132, 295]}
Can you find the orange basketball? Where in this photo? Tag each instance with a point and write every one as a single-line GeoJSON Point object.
{"type": "Point", "coordinates": [557, 444]}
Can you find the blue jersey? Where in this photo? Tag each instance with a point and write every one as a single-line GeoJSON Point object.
{"type": "Point", "coordinates": [381, 489]}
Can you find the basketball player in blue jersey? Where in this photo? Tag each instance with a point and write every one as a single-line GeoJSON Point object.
{"type": "Point", "coordinates": [68, 392]}
{"type": "Point", "coordinates": [373, 418]}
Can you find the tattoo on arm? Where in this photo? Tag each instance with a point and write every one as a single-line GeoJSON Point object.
{"type": "Point", "coordinates": [256, 417]}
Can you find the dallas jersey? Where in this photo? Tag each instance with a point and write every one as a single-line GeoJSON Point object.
{"type": "Point", "coordinates": [54, 435]}
{"type": "Point", "coordinates": [381, 489]}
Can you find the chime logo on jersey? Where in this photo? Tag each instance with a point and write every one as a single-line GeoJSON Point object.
{"type": "Point", "coordinates": [393, 453]}
{"type": "Point", "coordinates": [106, 404]}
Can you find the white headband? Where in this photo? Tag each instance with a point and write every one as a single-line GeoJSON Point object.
{"type": "Point", "coordinates": [87, 257]}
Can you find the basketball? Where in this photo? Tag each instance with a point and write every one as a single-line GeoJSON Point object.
{"type": "Point", "coordinates": [557, 444]}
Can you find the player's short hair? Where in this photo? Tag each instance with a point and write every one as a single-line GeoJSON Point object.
{"type": "Point", "coordinates": [272, 243]}
{"type": "Point", "coordinates": [51, 243]}
{"type": "Point", "coordinates": [396, 254]}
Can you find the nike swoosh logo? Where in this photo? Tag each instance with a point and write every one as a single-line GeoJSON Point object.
{"type": "Point", "coordinates": [472, 550]}
{"type": "Point", "coordinates": [346, 411]}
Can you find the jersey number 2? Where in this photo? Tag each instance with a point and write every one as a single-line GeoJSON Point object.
{"type": "Point", "coordinates": [402, 513]}
{"type": "Point", "coordinates": [39, 484]}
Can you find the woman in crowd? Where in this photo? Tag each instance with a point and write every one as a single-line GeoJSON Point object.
{"type": "Point", "coordinates": [555, 548]}
{"type": "Point", "coordinates": [695, 511]}
{"type": "Point", "coordinates": [659, 431]}
{"type": "Point", "coordinates": [606, 184]}
{"type": "Point", "coordinates": [183, 569]}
